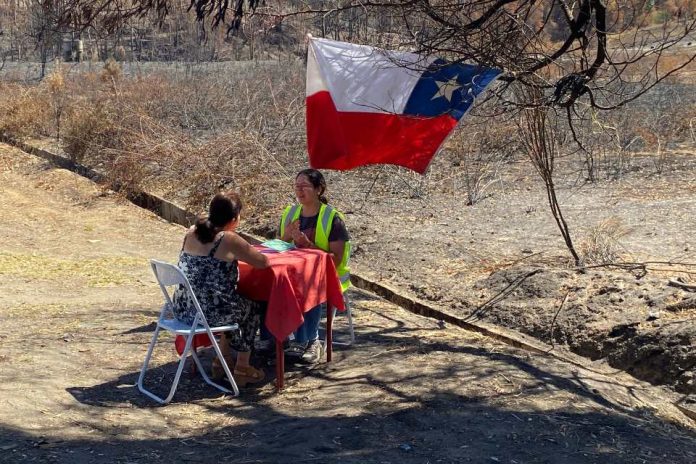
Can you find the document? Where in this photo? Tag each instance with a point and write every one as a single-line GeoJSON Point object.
{"type": "Point", "coordinates": [278, 245]}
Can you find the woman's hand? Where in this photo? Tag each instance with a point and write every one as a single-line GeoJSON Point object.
{"type": "Point", "coordinates": [302, 241]}
{"type": "Point", "coordinates": [297, 236]}
{"type": "Point", "coordinates": [291, 231]}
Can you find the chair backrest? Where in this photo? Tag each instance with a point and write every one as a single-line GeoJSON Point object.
{"type": "Point", "coordinates": [168, 275]}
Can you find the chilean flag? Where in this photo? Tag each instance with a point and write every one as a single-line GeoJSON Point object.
{"type": "Point", "coordinates": [371, 106]}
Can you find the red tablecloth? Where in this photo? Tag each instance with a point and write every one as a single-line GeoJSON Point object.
{"type": "Point", "coordinates": [296, 281]}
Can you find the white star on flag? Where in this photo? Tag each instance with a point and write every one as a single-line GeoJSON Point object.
{"type": "Point", "coordinates": [445, 89]}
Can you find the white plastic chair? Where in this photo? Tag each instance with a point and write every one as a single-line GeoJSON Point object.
{"type": "Point", "coordinates": [169, 275]}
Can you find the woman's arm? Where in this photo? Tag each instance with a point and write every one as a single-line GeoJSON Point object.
{"type": "Point", "coordinates": [337, 239]}
{"type": "Point", "coordinates": [241, 249]}
{"type": "Point", "coordinates": [336, 249]}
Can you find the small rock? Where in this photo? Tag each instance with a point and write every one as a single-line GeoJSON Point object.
{"type": "Point", "coordinates": [527, 251]}
{"type": "Point", "coordinates": [405, 447]}
{"type": "Point", "coordinates": [653, 315]}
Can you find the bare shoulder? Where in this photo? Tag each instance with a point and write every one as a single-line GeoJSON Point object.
{"type": "Point", "coordinates": [234, 241]}
{"type": "Point", "coordinates": [189, 237]}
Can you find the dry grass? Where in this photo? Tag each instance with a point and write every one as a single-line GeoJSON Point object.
{"type": "Point", "coordinates": [187, 139]}
{"type": "Point", "coordinates": [38, 311]}
{"type": "Point", "coordinates": [602, 245]}
{"type": "Point", "coordinates": [23, 111]}
{"type": "Point", "coordinates": [102, 272]}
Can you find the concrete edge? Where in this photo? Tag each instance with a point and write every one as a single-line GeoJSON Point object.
{"type": "Point", "coordinates": [178, 215]}
{"type": "Point", "coordinates": [417, 307]}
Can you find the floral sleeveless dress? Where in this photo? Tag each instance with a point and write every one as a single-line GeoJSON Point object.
{"type": "Point", "coordinates": [214, 282]}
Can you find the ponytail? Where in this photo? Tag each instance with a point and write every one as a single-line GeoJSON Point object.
{"type": "Point", "coordinates": [205, 230]}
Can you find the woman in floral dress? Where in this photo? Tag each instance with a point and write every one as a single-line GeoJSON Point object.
{"type": "Point", "coordinates": [209, 258]}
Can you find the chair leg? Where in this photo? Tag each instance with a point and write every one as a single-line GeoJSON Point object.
{"type": "Point", "coordinates": [329, 333]}
{"type": "Point", "coordinates": [225, 367]}
{"type": "Point", "coordinates": [179, 370]}
{"type": "Point", "coordinates": [182, 361]}
{"type": "Point", "coordinates": [351, 328]}
{"type": "Point", "coordinates": [148, 356]}
{"type": "Point", "coordinates": [177, 376]}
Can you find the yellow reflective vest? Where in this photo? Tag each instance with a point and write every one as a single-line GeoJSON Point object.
{"type": "Point", "coordinates": [321, 235]}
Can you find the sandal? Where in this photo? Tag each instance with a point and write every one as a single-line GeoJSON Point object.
{"type": "Point", "coordinates": [217, 372]}
{"type": "Point", "coordinates": [248, 374]}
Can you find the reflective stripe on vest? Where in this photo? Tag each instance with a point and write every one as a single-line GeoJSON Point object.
{"type": "Point", "coordinates": [291, 213]}
{"type": "Point", "coordinates": [321, 239]}
{"type": "Point", "coordinates": [343, 270]}
{"type": "Point", "coordinates": [327, 217]}
{"type": "Point", "coordinates": [324, 223]}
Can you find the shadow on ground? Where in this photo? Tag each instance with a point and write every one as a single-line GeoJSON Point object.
{"type": "Point", "coordinates": [481, 434]}
{"type": "Point", "coordinates": [399, 396]}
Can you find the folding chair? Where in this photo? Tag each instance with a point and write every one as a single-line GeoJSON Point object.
{"type": "Point", "coordinates": [169, 275]}
{"type": "Point", "coordinates": [351, 328]}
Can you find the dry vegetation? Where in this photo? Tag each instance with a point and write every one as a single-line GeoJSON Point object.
{"type": "Point", "coordinates": [185, 132]}
{"type": "Point", "coordinates": [178, 135]}
{"type": "Point", "coordinates": [603, 242]}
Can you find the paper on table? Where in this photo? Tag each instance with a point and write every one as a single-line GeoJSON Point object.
{"type": "Point", "coordinates": [278, 245]}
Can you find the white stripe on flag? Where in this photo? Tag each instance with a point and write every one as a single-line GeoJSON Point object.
{"type": "Point", "coordinates": [361, 78]}
{"type": "Point", "coordinates": [315, 83]}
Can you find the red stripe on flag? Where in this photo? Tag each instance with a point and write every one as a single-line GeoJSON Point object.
{"type": "Point", "coordinates": [344, 140]}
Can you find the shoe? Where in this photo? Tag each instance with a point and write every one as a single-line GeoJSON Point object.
{"type": "Point", "coordinates": [248, 374]}
{"type": "Point", "coordinates": [314, 352]}
{"type": "Point", "coordinates": [217, 372]}
{"type": "Point", "coordinates": [295, 349]}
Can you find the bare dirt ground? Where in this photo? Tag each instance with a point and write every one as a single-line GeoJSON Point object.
{"type": "Point", "coordinates": [503, 260]}
{"type": "Point", "coordinates": [77, 308]}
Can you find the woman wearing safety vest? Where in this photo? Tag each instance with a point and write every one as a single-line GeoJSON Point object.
{"type": "Point", "coordinates": [312, 223]}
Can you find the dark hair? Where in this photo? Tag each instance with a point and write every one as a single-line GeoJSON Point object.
{"type": "Point", "coordinates": [317, 180]}
{"type": "Point", "coordinates": [223, 208]}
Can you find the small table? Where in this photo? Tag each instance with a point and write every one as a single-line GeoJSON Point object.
{"type": "Point", "coordinates": [295, 282]}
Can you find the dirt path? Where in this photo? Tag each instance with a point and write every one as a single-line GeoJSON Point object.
{"type": "Point", "coordinates": [77, 308]}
